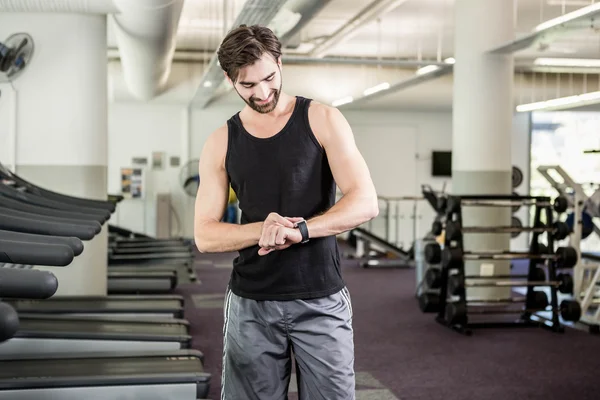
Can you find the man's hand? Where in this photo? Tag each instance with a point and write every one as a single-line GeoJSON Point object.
{"type": "Point", "coordinates": [278, 233]}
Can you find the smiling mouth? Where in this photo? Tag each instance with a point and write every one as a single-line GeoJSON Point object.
{"type": "Point", "coordinates": [264, 101]}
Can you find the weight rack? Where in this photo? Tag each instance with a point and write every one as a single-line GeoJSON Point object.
{"type": "Point", "coordinates": [541, 204]}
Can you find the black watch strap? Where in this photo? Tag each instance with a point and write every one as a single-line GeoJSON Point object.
{"type": "Point", "coordinates": [303, 230]}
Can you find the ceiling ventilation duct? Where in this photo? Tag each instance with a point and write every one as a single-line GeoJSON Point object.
{"type": "Point", "coordinates": [145, 30]}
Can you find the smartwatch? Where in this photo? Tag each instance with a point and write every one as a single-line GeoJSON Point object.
{"type": "Point", "coordinates": [303, 230]}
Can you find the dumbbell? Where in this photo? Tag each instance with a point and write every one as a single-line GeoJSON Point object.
{"type": "Point", "coordinates": [565, 257]}
{"type": "Point", "coordinates": [429, 302]}
{"type": "Point", "coordinates": [456, 313]}
{"type": "Point", "coordinates": [454, 203]}
{"type": "Point", "coordinates": [457, 284]}
{"type": "Point", "coordinates": [454, 231]}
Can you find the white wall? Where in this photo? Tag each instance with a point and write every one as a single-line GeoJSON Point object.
{"type": "Point", "coordinates": [138, 130]}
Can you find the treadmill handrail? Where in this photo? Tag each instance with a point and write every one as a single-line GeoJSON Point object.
{"type": "Point", "coordinates": [58, 220]}
{"type": "Point", "coordinates": [13, 204]}
{"type": "Point", "coordinates": [26, 225]}
{"type": "Point", "coordinates": [27, 284]}
{"type": "Point", "coordinates": [103, 204]}
{"type": "Point", "coordinates": [9, 322]}
{"type": "Point", "coordinates": [74, 243]}
{"type": "Point", "coordinates": [41, 201]}
{"type": "Point", "coordinates": [17, 252]}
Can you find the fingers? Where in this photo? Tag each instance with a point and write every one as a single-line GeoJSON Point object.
{"type": "Point", "coordinates": [274, 217]}
{"type": "Point", "coordinates": [280, 237]}
{"type": "Point", "coordinates": [294, 220]}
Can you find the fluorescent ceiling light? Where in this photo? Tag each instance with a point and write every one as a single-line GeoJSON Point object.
{"type": "Point", "coordinates": [579, 99]}
{"type": "Point", "coordinates": [427, 69]}
{"type": "Point", "coordinates": [207, 84]}
{"type": "Point", "coordinates": [343, 100]}
{"type": "Point", "coordinates": [450, 60]}
{"type": "Point", "coordinates": [567, 62]}
{"type": "Point", "coordinates": [376, 88]}
{"type": "Point", "coordinates": [568, 17]}
{"type": "Point", "coordinates": [569, 3]}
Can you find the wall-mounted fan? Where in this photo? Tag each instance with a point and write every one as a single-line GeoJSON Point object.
{"type": "Point", "coordinates": [189, 177]}
{"type": "Point", "coordinates": [15, 55]}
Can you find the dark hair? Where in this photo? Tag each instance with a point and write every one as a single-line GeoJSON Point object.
{"type": "Point", "coordinates": [245, 45]}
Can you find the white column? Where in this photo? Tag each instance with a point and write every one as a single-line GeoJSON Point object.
{"type": "Point", "coordinates": [61, 127]}
{"type": "Point", "coordinates": [482, 123]}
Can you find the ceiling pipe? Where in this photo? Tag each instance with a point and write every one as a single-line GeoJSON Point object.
{"type": "Point", "coordinates": [145, 31]}
{"type": "Point", "coordinates": [366, 15]}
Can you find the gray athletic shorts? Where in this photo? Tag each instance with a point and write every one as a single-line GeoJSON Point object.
{"type": "Point", "coordinates": [259, 337]}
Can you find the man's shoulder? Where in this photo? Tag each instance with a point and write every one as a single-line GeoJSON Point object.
{"type": "Point", "coordinates": [217, 140]}
{"type": "Point", "coordinates": [322, 114]}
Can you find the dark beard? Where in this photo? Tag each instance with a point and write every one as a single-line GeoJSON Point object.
{"type": "Point", "coordinates": [265, 108]}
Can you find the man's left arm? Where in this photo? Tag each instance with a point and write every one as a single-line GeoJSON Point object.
{"type": "Point", "coordinates": [359, 202]}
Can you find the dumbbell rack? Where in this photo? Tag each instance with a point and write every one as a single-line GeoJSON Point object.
{"type": "Point", "coordinates": [525, 319]}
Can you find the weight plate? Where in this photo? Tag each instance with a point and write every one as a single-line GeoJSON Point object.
{"type": "Point", "coordinates": [517, 176]}
{"type": "Point", "coordinates": [516, 207]}
{"type": "Point", "coordinates": [516, 223]}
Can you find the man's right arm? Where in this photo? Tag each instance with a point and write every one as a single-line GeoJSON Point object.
{"type": "Point", "coordinates": [210, 234]}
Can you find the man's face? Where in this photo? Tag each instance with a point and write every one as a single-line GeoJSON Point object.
{"type": "Point", "coordinates": [259, 84]}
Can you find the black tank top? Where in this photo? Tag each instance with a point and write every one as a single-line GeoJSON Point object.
{"type": "Point", "coordinates": [289, 174]}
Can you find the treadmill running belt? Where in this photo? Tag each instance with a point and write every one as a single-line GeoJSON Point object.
{"type": "Point", "coordinates": [83, 306]}
{"type": "Point", "coordinates": [115, 376]}
{"type": "Point", "coordinates": [105, 327]}
{"type": "Point", "coordinates": [108, 367]}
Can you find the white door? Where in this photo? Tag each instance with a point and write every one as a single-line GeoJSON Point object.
{"type": "Point", "coordinates": [390, 153]}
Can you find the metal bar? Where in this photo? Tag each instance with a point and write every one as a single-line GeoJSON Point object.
{"type": "Point", "coordinates": [505, 203]}
{"type": "Point", "coordinates": [505, 229]}
{"type": "Point", "coordinates": [507, 256]}
{"type": "Point", "coordinates": [497, 283]}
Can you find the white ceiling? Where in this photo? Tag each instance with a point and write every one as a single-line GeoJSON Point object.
{"type": "Point", "coordinates": [415, 28]}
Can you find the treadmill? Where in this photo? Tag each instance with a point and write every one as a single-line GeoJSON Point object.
{"type": "Point", "coordinates": [40, 220]}
{"type": "Point", "coordinates": [166, 374]}
{"type": "Point", "coordinates": [57, 334]}
{"type": "Point", "coordinates": [161, 306]}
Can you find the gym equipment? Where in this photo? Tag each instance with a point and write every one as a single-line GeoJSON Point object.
{"type": "Point", "coordinates": [517, 176]}
{"type": "Point", "coordinates": [454, 231]}
{"type": "Point", "coordinates": [8, 203]}
{"type": "Point", "coordinates": [453, 204]}
{"type": "Point", "coordinates": [456, 312]}
{"type": "Point", "coordinates": [39, 334]}
{"type": "Point", "coordinates": [7, 175]}
{"type": "Point", "coordinates": [366, 239]}
{"type": "Point", "coordinates": [586, 273]}
{"type": "Point", "coordinates": [53, 228]}
{"type": "Point", "coordinates": [74, 243]}
{"type": "Point", "coordinates": [457, 282]}
{"type": "Point", "coordinates": [157, 306]}
{"type": "Point", "coordinates": [451, 281]}
{"type": "Point", "coordinates": [26, 283]}
{"type": "Point", "coordinates": [9, 322]}
{"type": "Point", "coordinates": [48, 254]}
{"type": "Point", "coordinates": [517, 225]}
{"type": "Point", "coordinates": [565, 257]}
{"type": "Point", "coordinates": [587, 224]}
{"type": "Point", "coordinates": [433, 277]}
{"type": "Point", "coordinates": [168, 375]}
{"type": "Point", "coordinates": [135, 281]}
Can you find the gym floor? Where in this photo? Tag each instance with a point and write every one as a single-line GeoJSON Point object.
{"type": "Point", "coordinates": [404, 354]}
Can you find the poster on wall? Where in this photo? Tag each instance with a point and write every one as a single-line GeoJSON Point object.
{"type": "Point", "coordinates": [158, 160]}
{"type": "Point", "coordinates": [132, 183]}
